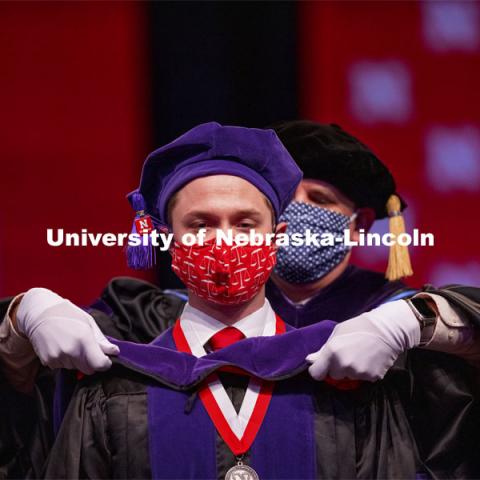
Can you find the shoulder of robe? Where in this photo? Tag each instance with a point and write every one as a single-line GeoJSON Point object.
{"type": "Point", "coordinates": [373, 287]}
{"type": "Point", "coordinates": [4, 304]}
{"type": "Point", "coordinates": [464, 299]}
{"type": "Point", "coordinates": [374, 279]}
{"type": "Point", "coordinates": [136, 310]}
{"type": "Point", "coordinates": [116, 381]}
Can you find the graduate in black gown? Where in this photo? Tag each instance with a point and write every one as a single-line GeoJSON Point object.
{"type": "Point", "coordinates": [138, 311]}
{"type": "Point", "coordinates": [156, 413]}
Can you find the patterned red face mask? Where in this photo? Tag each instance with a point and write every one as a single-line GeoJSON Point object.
{"type": "Point", "coordinates": [225, 274]}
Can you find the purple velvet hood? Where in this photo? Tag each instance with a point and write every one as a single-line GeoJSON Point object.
{"type": "Point", "coordinates": [270, 358]}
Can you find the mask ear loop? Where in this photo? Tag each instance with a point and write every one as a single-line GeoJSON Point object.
{"type": "Point", "coordinates": [166, 229]}
{"type": "Point", "coordinates": [274, 239]}
{"type": "Point", "coordinates": [351, 219]}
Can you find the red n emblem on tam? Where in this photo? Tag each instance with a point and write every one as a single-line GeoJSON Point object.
{"type": "Point", "coordinates": [144, 225]}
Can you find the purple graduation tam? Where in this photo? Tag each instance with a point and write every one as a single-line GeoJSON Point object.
{"type": "Point", "coordinates": [256, 155]}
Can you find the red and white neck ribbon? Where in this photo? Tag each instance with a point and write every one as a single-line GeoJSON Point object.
{"type": "Point", "coordinates": [237, 430]}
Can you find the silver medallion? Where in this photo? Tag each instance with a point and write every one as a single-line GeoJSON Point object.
{"type": "Point", "coordinates": [241, 472]}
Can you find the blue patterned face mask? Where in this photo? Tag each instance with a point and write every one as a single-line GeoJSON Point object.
{"type": "Point", "coordinates": [308, 263]}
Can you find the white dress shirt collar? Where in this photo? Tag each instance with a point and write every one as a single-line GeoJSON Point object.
{"type": "Point", "coordinates": [198, 327]}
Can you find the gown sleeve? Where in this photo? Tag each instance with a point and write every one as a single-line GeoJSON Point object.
{"type": "Point", "coordinates": [128, 309]}
{"type": "Point", "coordinates": [137, 311]}
{"type": "Point", "coordinates": [80, 449]}
{"type": "Point", "coordinates": [445, 413]}
{"type": "Point", "coordinates": [25, 436]}
{"type": "Point", "coordinates": [464, 299]}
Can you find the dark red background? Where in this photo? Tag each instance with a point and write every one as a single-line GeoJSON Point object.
{"type": "Point", "coordinates": [76, 126]}
{"type": "Point", "coordinates": [75, 129]}
{"type": "Point", "coordinates": [444, 91]}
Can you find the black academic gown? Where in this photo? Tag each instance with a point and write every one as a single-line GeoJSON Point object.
{"type": "Point", "coordinates": [370, 432]}
{"type": "Point", "coordinates": [354, 292]}
{"type": "Point", "coordinates": [135, 310]}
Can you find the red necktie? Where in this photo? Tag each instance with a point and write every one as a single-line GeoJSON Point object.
{"type": "Point", "coordinates": [225, 337]}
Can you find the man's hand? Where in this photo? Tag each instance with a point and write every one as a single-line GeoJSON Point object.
{"type": "Point", "coordinates": [365, 347]}
{"type": "Point", "coordinates": [62, 335]}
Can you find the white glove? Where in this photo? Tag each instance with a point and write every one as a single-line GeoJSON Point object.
{"type": "Point", "coordinates": [62, 334]}
{"type": "Point", "coordinates": [365, 347]}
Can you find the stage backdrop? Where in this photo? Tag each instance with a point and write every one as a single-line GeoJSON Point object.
{"type": "Point", "coordinates": [89, 88]}
{"type": "Point", "coordinates": [75, 129]}
{"type": "Point", "coordinates": [404, 77]}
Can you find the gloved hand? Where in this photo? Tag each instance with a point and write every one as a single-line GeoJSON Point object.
{"type": "Point", "coordinates": [365, 347]}
{"type": "Point", "coordinates": [62, 334]}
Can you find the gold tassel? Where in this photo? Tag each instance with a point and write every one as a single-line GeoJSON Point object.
{"type": "Point", "coordinates": [399, 265]}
